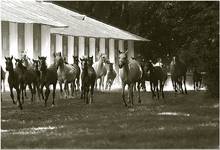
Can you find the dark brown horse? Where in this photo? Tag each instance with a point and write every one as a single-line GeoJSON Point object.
{"type": "Point", "coordinates": [88, 78]}
{"type": "Point", "coordinates": [178, 71]}
{"type": "Point", "coordinates": [37, 73]}
{"type": "Point", "coordinates": [14, 80]}
{"type": "Point", "coordinates": [48, 77]}
{"type": "Point", "coordinates": [157, 76]}
{"type": "Point", "coordinates": [110, 76]}
{"type": "Point", "coordinates": [197, 79]}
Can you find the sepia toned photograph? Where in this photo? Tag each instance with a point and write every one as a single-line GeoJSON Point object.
{"type": "Point", "coordinates": [109, 74]}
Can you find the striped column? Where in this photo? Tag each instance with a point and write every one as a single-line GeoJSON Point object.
{"type": "Point", "coordinates": [70, 49]}
{"type": "Point", "coordinates": [13, 39]}
{"type": "Point", "coordinates": [28, 35]}
{"type": "Point", "coordinates": [45, 42]}
{"type": "Point", "coordinates": [92, 48]}
{"type": "Point", "coordinates": [81, 51]}
{"type": "Point", "coordinates": [121, 45]}
{"type": "Point", "coordinates": [130, 49]}
{"type": "Point", "coordinates": [102, 45]}
{"type": "Point", "coordinates": [59, 43]}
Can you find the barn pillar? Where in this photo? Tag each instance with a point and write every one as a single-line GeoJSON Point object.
{"type": "Point", "coordinates": [92, 48]}
{"type": "Point", "coordinates": [112, 51]}
{"type": "Point", "coordinates": [121, 45]}
{"type": "Point", "coordinates": [13, 39]}
{"type": "Point", "coordinates": [70, 49]}
{"type": "Point", "coordinates": [45, 42]}
{"type": "Point", "coordinates": [81, 51]}
{"type": "Point", "coordinates": [59, 43]}
{"type": "Point", "coordinates": [28, 35]}
{"type": "Point", "coordinates": [102, 45]}
{"type": "Point", "coordinates": [130, 49]}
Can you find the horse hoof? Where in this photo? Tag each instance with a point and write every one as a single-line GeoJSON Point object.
{"type": "Point", "coordinates": [139, 101]}
{"type": "Point", "coordinates": [20, 107]}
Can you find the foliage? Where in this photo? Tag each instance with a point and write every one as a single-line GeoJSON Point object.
{"type": "Point", "coordinates": [188, 29]}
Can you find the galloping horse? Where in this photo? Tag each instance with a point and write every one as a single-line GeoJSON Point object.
{"type": "Point", "coordinates": [178, 71]}
{"type": "Point", "coordinates": [100, 70]}
{"type": "Point", "coordinates": [88, 78]}
{"type": "Point", "coordinates": [3, 79]}
{"type": "Point", "coordinates": [111, 74]}
{"type": "Point", "coordinates": [76, 65]}
{"type": "Point", "coordinates": [66, 73]}
{"type": "Point", "coordinates": [14, 80]}
{"type": "Point", "coordinates": [157, 76]}
{"type": "Point", "coordinates": [48, 77]}
{"type": "Point", "coordinates": [130, 73]}
{"type": "Point", "coordinates": [28, 78]}
{"type": "Point", "coordinates": [197, 79]}
{"type": "Point", "coordinates": [37, 73]}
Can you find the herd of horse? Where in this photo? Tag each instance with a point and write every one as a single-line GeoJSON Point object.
{"type": "Point", "coordinates": [37, 75]}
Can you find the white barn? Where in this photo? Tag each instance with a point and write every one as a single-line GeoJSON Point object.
{"type": "Point", "coordinates": [42, 28]}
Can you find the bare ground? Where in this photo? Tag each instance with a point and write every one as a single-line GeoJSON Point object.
{"type": "Point", "coordinates": [183, 121]}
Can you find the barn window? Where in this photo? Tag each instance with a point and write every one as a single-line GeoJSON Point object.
{"type": "Point", "coordinates": [21, 40]}
{"type": "Point", "coordinates": [107, 47]}
{"type": "Point", "coordinates": [37, 40]}
{"type": "Point", "coordinates": [52, 46]}
{"type": "Point", "coordinates": [96, 48]}
{"type": "Point", "coordinates": [65, 46]}
{"type": "Point", "coordinates": [76, 46]}
{"type": "Point", "coordinates": [5, 39]}
{"type": "Point", "coordinates": [86, 47]}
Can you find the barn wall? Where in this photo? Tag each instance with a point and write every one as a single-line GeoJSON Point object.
{"type": "Point", "coordinates": [70, 49]}
{"type": "Point", "coordinates": [112, 51]}
{"type": "Point", "coordinates": [28, 35]}
{"type": "Point", "coordinates": [102, 45]}
{"type": "Point", "coordinates": [92, 48]}
{"type": "Point", "coordinates": [58, 43]}
{"type": "Point", "coordinates": [13, 39]}
{"type": "Point", "coordinates": [81, 46]}
{"type": "Point", "coordinates": [45, 42]}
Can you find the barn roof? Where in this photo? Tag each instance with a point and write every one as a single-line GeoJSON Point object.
{"type": "Point", "coordinates": [63, 20]}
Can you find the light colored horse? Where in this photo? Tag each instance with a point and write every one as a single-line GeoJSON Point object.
{"type": "Point", "coordinates": [100, 70]}
{"type": "Point", "coordinates": [66, 73]}
{"type": "Point", "coordinates": [130, 72]}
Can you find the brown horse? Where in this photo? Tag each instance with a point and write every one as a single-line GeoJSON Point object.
{"type": "Point", "coordinates": [14, 80]}
{"type": "Point", "coordinates": [88, 78]}
{"type": "Point", "coordinates": [157, 76]}
{"type": "Point", "coordinates": [130, 73]}
{"type": "Point", "coordinates": [48, 77]}
{"type": "Point", "coordinates": [111, 74]}
{"type": "Point", "coordinates": [197, 79]}
{"type": "Point", "coordinates": [178, 71]}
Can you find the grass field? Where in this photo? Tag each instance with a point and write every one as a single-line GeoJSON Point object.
{"type": "Point", "coordinates": [184, 121]}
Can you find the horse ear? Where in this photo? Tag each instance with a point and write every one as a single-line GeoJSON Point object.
{"type": "Point", "coordinates": [119, 52]}
{"type": "Point", "coordinates": [59, 54]}
{"type": "Point", "coordinates": [81, 59]}
{"type": "Point", "coordinates": [6, 58]}
{"type": "Point", "coordinates": [11, 57]}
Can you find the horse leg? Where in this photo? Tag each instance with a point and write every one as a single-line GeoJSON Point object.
{"type": "Point", "coordinates": [158, 95]}
{"type": "Point", "coordinates": [184, 82]}
{"type": "Point", "coordinates": [66, 89]}
{"type": "Point", "coordinates": [31, 90]}
{"type": "Point", "coordinates": [38, 90]}
{"type": "Point", "coordinates": [47, 92]}
{"type": "Point", "coordinates": [91, 92]}
{"type": "Point", "coordinates": [139, 97]}
{"type": "Point", "coordinates": [123, 94]}
{"type": "Point", "coordinates": [161, 88]}
{"type": "Point", "coordinates": [3, 85]}
{"type": "Point", "coordinates": [41, 90]}
{"type": "Point", "coordinates": [132, 95]}
{"type": "Point", "coordinates": [12, 95]}
{"type": "Point", "coordinates": [152, 88]}
{"type": "Point", "coordinates": [22, 90]}
{"type": "Point", "coordinates": [87, 95]}
{"type": "Point", "coordinates": [18, 97]}
{"type": "Point", "coordinates": [100, 84]}
{"type": "Point", "coordinates": [129, 95]}
{"type": "Point", "coordinates": [61, 89]}
{"type": "Point", "coordinates": [54, 91]}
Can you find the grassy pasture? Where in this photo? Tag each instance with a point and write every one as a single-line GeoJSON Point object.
{"type": "Point", "coordinates": [184, 121]}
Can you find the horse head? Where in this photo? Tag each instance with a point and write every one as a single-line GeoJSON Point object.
{"type": "Point", "coordinates": [76, 60]}
{"type": "Point", "coordinates": [35, 64]}
{"type": "Point", "coordinates": [123, 59]}
{"type": "Point", "coordinates": [42, 63]}
{"type": "Point", "coordinates": [90, 61]}
{"type": "Point", "coordinates": [59, 60]}
{"type": "Point", "coordinates": [9, 64]}
{"type": "Point", "coordinates": [84, 62]}
{"type": "Point", "coordinates": [103, 57]}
